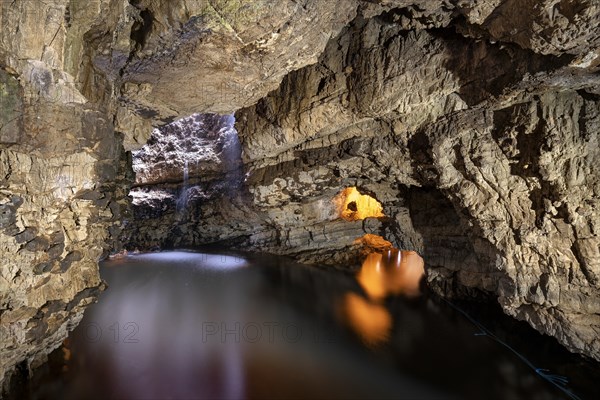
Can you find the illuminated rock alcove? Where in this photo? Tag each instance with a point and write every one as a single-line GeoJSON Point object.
{"type": "Point", "coordinates": [353, 206]}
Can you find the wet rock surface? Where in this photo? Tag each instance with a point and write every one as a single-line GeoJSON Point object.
{"type": "Point", "coordinates": [487, 149]}
{"type": "Point", "coordinates": [481, 153]}
{"type": "Point", "coordinates": [475, 125]}
{"type": "Point", "coordinates": [81, 83]}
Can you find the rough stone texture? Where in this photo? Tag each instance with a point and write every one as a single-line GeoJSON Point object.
{"type": "Point", "coordinates": [438, 127]}
{"type": "Point", "coordinates": [509, 138]}
{"type": "Point", "coordinates": [203, 146]}
{"type": "Point", "coordinates": [61, 197]}
{"type": "Point", "coordinates": [474, 123]}
{"type": "Point", "coordinates": [537, 170]}
{"type": "Point", "coordinates": [81, 82]}
{"type": "Point", "coordinates": [61, 187]}
{"type": "Point", "coordinates": [189, 191]}
{"type": "Point", "coordinates": [221, 55]}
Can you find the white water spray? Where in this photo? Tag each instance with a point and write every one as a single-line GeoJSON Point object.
{"type": "Point", "coordinates": [183, 196]}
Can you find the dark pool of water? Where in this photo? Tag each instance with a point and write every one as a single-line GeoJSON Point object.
{"type": "Point", "coordinates": [188, 325]}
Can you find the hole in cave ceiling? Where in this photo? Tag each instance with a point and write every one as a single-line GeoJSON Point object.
{"type": "Point", "coordinates": [186, 154]}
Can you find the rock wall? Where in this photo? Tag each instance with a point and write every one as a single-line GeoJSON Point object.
{"type": "Point", "coordinates": [474, 123]}
{"type": "Point", "coordinates": [62, 186]}
{"type": "Point", "coordinates": [479, 145]}
{"type": "Point", "coordinates": [229, 53]}
{"type": "Point", "coordinates": [482, 153]}
{"type": "Point", "coordinates": [81, 84]}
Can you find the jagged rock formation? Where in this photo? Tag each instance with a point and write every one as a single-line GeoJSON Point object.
{"type": "Point", "coordinates": [80, 82]}
{"type": "Point", "coordinates": [508, 137]}
{"type": "Point", "coordinates": [63, 186]}
{"type": "Point", "coordinates": [494, 141]}
{"type": "Point", "coordinates": [474, 123]}
{"type": "Point", "coordinates": [480, 151]}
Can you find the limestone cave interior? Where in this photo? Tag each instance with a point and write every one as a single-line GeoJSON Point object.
{"type": "Point", "coordinates": [273, 199]}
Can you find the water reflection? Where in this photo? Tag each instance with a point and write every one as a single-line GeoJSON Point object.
{"type": "Point", "coordinates": [393, 273]}
{"type": "Point", "coordinates": [146, 337]}
{"type": "Point", "coordinates": [200, 261]}
{"type": "Point", "coordinates": [187, 325]}
{"type": "Point", "coordinates": [305, 350]}
{"type": "Point", "coordinates": [396, 272]}
{"type": "Point", "coordinates": [371, 321]}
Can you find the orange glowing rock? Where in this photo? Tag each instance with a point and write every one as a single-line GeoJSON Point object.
{"type": "Point", "coordinates": [370, 243]}
{"type": "Point", "coordinates": [353, 206]}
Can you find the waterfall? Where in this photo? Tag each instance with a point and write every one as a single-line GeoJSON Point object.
{"type": "Point", "coordinates": [232, 155]}
{"type": "Point", "coordinates": [185, 174]}
{"type": "Point", "coordinates": [183, 194]}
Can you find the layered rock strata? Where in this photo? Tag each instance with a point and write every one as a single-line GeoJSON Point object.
{"type": "Point", "coordinates": [481, 153]}
{"type": "Point", "coordinates": [63, 185]}
{"type": "Point", "coordinates": [474, 123]}
{"type": "Point", "coordinates": [82, 83]}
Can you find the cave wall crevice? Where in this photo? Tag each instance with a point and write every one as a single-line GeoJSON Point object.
{"type": "Point", "coordinates": [494, 139]}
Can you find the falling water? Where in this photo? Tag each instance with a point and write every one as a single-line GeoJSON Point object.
{"type": "Point", "coordinates": [182, 200]}
{"type": "Point", "coordinates": [232, 155]}
{"type": "Point", "coordinates": [185, 175]}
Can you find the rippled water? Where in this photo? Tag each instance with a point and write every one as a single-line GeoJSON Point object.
{"type": "Point", "coordinates": [186, 325]}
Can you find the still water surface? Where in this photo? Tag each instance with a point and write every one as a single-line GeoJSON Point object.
{"type": "Point", "coordinates": [183, 325]}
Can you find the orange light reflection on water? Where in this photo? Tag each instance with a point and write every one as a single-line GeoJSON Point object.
{"type": "Point", "coordinates": [393, 273]}
{"type": "Point", "coordinates": [371, 321]}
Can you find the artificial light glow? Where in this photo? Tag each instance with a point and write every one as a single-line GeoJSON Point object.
{"type": "Point", "coordinates": [353, 206]}
{"type": "Point", "coordinates": [374, 243]}
{"type": "Point", "coordinates": [385, 271]}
